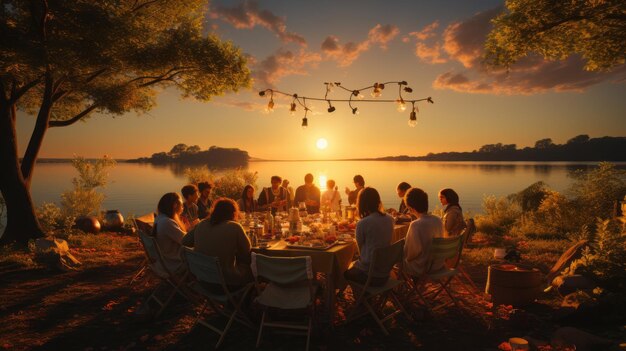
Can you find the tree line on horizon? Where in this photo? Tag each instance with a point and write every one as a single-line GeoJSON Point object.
{"type": "Point", "coordinates": [578, 148]}
{"type": "Point", "coordinates": [214, 156]}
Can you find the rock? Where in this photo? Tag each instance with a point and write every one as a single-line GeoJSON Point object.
{"type": "Point", "coordinates": [567, 284]}
{"type": "Point", "coordinates": [582, 340]}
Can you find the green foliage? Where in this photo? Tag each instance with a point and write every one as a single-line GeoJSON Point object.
{"type": "Point", "coordinates": [530, 198]}
{"type": "Point", "coordinates": [113, 57]}
{"type": "Point", "coordinates": [84, 199]}
{"type": "Point", "coordinates": [228, 183]}
{"type": "Point", "coordinates": [558, 29]}
{"type": "Point", "coordinates": [606, 260]}
{"type": "Point", "coordinates": [594, 192]}
{"type": "Point", "coordinates": [499, 215]}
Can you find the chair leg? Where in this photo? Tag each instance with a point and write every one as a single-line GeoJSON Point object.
{"type": "Point", "coordinates": [139, 274]}
{"type": "Point", "coordinates": [399, 305]}
{"type": "Point", "coordinates": [258, 338]}
{"type": "Point", "coordinates": [308, 334]}
{"type": "Point", "coordinates": [373, 313]}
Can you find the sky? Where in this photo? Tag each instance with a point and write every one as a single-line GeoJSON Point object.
{"type": "Point", "coordinates": [297, 46]}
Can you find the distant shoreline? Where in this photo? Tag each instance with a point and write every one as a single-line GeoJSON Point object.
{"type": "Point", "coordinates": [69, 160]}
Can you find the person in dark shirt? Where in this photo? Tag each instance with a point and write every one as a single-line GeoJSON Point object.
{"type": "Point", "coordinates": [309, 194]}
{"type": "Point", "coordinates": [275, 197]}
{"type": "Point", "coordinates": [359, 183]}
{"type": "Point", "coordinates": [190, 209]}
{"type": "Point", "coordinates": [204, 202]}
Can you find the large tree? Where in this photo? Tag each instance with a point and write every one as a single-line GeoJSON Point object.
{"type": "Point", "coordinates": [63, 61]}
{"type": "Point", "coordinates": [594, 29]}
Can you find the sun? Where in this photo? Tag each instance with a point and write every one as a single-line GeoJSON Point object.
{"type": "Point", "coordinates": [321, 143]}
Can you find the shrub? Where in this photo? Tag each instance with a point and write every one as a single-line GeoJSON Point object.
{"type": "Point", "coordinates": [605, 261]}
{"type": "Point", "coordinates": [596, 191]}
{"type": "Point", "coordinates": [500, 214]}
{"type": "Point", "coordinates": [531, 198]}
{"type": "Point", "coordinates": [84, 199]}
{"type": "Point", "coordinates": [228, 183]}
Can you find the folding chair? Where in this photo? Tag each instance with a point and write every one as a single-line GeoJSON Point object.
{"type": "Point", "coordinates": [142, 224]}
{"type": "Point", "coordinates": [207, 270]}
{"type": "Point", "coordinates": [289, 286]}
{"type": "Point", "coordinates": [441, 249]}
{"type": "Point", "coordinates": [168, 278]}
{"type": "Point", "coordinates": [374, 298]}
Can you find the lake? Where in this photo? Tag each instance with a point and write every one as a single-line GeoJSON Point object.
{"type": "Point", "coordinates": [136, 188]}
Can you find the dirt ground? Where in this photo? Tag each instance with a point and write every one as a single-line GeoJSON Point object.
{"type": "Point", "coordinates": [96, 308]}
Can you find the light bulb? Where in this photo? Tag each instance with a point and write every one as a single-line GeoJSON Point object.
{"type": "Point", "coordinates": [305, 123]}
{"type": "Point", "coordinates": [331, 109]}
{"type": "Point", "coordinates": [413, 119]}
{"type": "Point", "coordinates": [355, 111]}
{"type": "Point", "coordinates": [360, 96]}
{"type": "Point", "coordinates": [292, 110]}
{"type": "Point", "coordinates": [376, 92]}
{"type": "Point", "coordinates": [270, 106]}
{"type": "Point", "coordinates": [401, 105]}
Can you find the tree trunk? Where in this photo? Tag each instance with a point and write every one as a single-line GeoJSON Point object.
{"type": "Point", "coordinates": [22, 223]}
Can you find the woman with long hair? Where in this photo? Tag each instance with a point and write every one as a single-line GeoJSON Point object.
{"type": "Point", "coordinates": [168, 230]}
{"type": "Point", "coordinates": [222, 237]}
{"type": "Point", "coordinates": [247, 203]}
{"type": "Point", "coordinates": [374, 230]}
{"type": "Point", "coordinates": [453, 222]}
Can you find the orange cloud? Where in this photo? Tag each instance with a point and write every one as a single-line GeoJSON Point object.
{"type": "Point", "coordinates": [463, 42]}
{"type": "Point", "coordinates": [283, 63]}
{"type": "Point", "coordinates": [427, 48]}
{"type": "Point", "coordinates": [347, 53]}
{"type": "Point", "coordinates": [247, 15]}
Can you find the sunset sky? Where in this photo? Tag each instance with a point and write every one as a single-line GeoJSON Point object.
{"type": "Point", "coordinates": [296, 46]}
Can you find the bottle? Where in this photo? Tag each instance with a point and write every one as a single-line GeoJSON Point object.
{"type": "Point", "coordinates": [278, 230]}
{"type": "Point", "coordinates": [253, 239]}
{"type": "Point", "coordinates": [269, 223]}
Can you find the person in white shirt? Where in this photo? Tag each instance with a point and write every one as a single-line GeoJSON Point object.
{"type": "Point", "coordinates": [331, 198]}
{"type": "Point", "coordinates": [169, 232]}
{"type": "Point", "coordinates": [420, 234]}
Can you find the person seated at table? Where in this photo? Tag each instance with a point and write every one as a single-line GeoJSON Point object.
{"type": "Point", "coordinates": [168, 230]}
{"type": "Point", "coordinates": [190, 209]}
{"type": "Point", "coordinates": [359, 183]}
{"type": "Point", "coordinates": [402, 214]}
{"type": "Point", "coordinates": [309, 194]}
{"type": "Point", "coordinates": [286, 185]}
{"type": "Point", "coordinates": [204, 202]}
{"type": "Point", "coordinates": [331, 198]}
{"type": "Point", "coordinates": [373, 230]}
{"type": "Point", "coordinates": [420, 234]}
{"type": "Point", "coordinates": [247, 203]}
{"type": "Point", "coordinates": [274, 198]}
{"type": "Point", "coordinates": [453, 222]}
{"type": "Point", "coordinates": [222, 237]}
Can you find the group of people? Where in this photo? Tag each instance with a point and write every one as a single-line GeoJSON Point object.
{"type": "Point", "coordinates": [212, 228]}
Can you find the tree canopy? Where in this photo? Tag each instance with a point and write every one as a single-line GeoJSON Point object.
{"type": "Point", "coordinates": [61, 61]}
{"type": "Point", "coordinates": [594, 29]}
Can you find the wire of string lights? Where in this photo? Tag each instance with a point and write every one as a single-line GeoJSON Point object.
{"type": "Point", "coordinates": [354, 96]}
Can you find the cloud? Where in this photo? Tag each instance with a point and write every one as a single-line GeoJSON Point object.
{"type": "Point", "coordinates": [283, 63]}
{"type": "Point", "coordinates": [463, 42]}
{"type": "Point", "coordinates": [247, 15]}
{"type": "Point", "coordinates": [347, 53]}
{"type": "Point", "coordinates": [427, 48]}
{"type": "Point", "coordinates": [382, 35]}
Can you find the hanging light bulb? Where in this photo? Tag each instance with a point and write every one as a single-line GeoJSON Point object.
{"type": "Point", "coordinates": [413, 116]}
{"type": "Point", "coordinates": [270, 106]}
{"type": "Point", "coordinates": [292, 110]}
{"type": "Point", "coordinates": [401, 105]}
{"type": "Point", "coordinates": [305, 123]}
{"type": "Point", "coordinates": [355, 111]}
{"type": "Point", "coordinates": [360, 96]}
{"type": "Point", "coordinates": [331, 108]}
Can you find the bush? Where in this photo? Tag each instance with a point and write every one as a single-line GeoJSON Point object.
{"type": "Point", "coordinates": [500, 214]}
{"type": "Point", "coordinates": [606, 260]}
{"type": "Point", "coordinates": [531, 198]}
{"type": "Point", "coordinates": [595, 191]}
{"type": "Point", "coordinates": [84, 199]}
{"type": "Point", "coordinates": [228, 183]}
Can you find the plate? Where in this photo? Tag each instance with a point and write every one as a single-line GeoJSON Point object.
{"type": "Point", "coordinates": [310, 247]}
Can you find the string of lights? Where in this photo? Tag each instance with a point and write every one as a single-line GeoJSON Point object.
{"type": "Point", "coordinates": [355, 96]}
